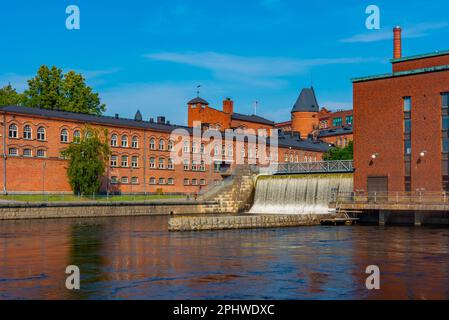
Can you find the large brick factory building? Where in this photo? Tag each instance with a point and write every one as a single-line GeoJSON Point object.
{"type": "Point", "coordinates": [401, 125]}
{"type": "Point", "coordinates": [140, 162]}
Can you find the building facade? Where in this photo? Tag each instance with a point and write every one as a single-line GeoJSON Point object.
{"type": "Point", "coordinates": [140, 161]}
{"type": "Point", "coordinates": [308, 119]}
{"type": "Point", "coordinates": [403, 143]}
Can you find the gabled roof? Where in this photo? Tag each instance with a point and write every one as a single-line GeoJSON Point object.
{"type": "Point", "coordinates": [87, 118]}
{"type": "Point", "coordinates": [251, 118]}
{"type": "Point", "coordinates": [306, 102]}
{"type": "Point", "coordinates": [198, 100]}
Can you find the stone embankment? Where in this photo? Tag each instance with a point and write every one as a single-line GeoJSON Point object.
{"type": "Point", "coordinates": [227, 222]}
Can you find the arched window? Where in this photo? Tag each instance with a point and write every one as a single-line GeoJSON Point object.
{"type": "Point", "coordinates": [114, 139]}
{"type": "Point", "coordinates": [64, 135]}
{"type": "Point", "coordinates": [134, 161]}
{"type": "Point", "coordinates": [170, 181]}
{"type": "Point", "coordinates": [27, 132]}
{"type": "Point", "coordinates": [152, 144]}
{"type": "Point", "coordinates": [216, 150]}
{"type": "Point", "coordinates": [77, 136]}
{"type": "Point", "coordinates": [152, 163]}
{"type": "Point", "coordinates": [170, 145]}
{"type": "Point", "coordinates": [169, 164]}
{"type": "Point", "coordinates": [125, 161]}
{"type": "Point", "coordinates": [152, 180]}
{"type": "Point", "coordinates": [161, 163]}
{"type": "Point", "coordinates": [230, 150]}
{"type": "Point", "coordinates": [13, 131]}
{"type": "Point", "coordinates": [135, 142]}
{"type": "Point", "coordinates": [186, 147]}
{"type": "Point", "coordinates": [161, 144]}
{"type": "Point", "coordinates": [202, 166]}
{"type": "Point", "coordinates": [41, 134]}
{"type": "Point", "coordinates": [124, 141]}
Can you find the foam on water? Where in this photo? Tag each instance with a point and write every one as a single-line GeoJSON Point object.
{"type": "Point", "coordinates": [301, 194]}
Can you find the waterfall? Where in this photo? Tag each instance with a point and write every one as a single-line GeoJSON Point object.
{"type": "Point", "coordinates": [299, 194]}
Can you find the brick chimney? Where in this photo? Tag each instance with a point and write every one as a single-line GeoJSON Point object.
{"type": "Point", "coordinates": [397, 42]}
{"type": "Point", "coordinates": [228, 106]}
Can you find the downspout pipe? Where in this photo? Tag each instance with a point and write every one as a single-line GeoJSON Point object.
{"type": "Point", "coordinates": [5, 190]}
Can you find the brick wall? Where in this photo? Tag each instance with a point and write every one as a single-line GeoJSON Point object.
{"type": "Point", "coordinates": [379, 128]}
{"type": "Point", "coordinates": [421, 63]}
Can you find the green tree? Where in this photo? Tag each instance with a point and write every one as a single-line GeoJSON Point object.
{"type": "Point", "coordinates": [346, 153]}
{"type": "Point", "coordinates": [51, 89]}
{"type": "Point", "coordinates": [9, 96]}
{"type": "Point", "coordinates": [87, 159]}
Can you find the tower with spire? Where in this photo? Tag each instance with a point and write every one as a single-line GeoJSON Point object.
{"type": "Point", "coordinates": [304, 114]}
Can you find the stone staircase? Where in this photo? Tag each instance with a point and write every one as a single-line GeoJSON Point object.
{"type": "Point", "coordinates": [236, 196]}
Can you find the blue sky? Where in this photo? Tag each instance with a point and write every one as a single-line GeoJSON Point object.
{"type": "Point", "coordinates": [151, 55]}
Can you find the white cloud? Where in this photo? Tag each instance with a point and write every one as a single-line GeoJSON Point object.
{"type": "Point", "coordinates": [258, 71]}
{"type": "Point", "coordinates": [415, 31]}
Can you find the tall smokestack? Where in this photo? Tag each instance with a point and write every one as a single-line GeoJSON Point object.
{"type": "Point", "coordinates": [397, 42]}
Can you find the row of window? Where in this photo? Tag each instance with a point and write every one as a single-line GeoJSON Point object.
{"type": "Point", "coordinates": [299, 158]}
{"type": "Point", "coordinates": [162, 163]}
{"type": "Point", "coordinates": [26, 152]}
{"type": "Point", "coordinates": [155, 181]}
{"type": "Point", "coordinates": [336, 122]}
{"type": "Point", "coordinates": [27, 134]}
{"type": "Point", "coordinates": [341, 142]}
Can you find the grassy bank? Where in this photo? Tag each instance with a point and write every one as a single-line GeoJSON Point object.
{"type": "Point", "coordinates": [73, 198]}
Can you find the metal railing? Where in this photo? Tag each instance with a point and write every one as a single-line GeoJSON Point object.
{"type": "Point", "coordinates": [338, 166]}
{"type": "Point", "coordinates": [392, 197]}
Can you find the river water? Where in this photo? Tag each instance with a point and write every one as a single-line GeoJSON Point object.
{"type": "Point", "coordinates": [136, 258]}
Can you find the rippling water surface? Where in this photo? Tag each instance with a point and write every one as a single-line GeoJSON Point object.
{"type": "Point", "coordinates": [136, 258]}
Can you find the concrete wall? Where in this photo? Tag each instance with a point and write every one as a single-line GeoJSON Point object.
{"type": "Point", "coordinates": [77, 210]}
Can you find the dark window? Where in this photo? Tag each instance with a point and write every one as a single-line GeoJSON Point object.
{"type": "Point", "coordinates": [445, 124]}
{"type": "Point", "coordinates": [407, 147]}
{"type": "Point", "coordinates": [348, 119]}
{"type": "Point", "coordinates": [445, 144]}
{"type": "Point", "coordinates": [445, 99]}
{"type": "Point", "coordinates": [407, 104]}
{"type": "Point", "coordinates": [337, 122]}
{"type": "Point", "coordinates": [407, 126]}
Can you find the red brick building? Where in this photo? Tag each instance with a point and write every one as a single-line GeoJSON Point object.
{"type": "Point", "coordinates": [32, 141]}
{"type": "Point", "coordinates": [307, 118]}
{"type": "Point", "coordinates": [401, 125]}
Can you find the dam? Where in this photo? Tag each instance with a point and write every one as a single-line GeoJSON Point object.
{"type": "Point", "coordinates": [279, 201]}
{"type": "Point", "coordinates": [299, 194]}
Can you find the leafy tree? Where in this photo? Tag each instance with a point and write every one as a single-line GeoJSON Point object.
{"type": "Point", "coordinates": [9, 96]}
{"type": "Point", "coordinates": [346, 153]}
{"type": "Point", "coordinates": [51, 89]}
{"type": "Point", "coordinates": [87, 159]}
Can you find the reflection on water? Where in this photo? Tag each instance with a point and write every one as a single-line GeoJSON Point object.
{"type": "Point", "coordinates": [136, 258]}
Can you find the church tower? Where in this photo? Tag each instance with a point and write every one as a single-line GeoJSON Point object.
{"type": "Point", "coordinates": [305, 113]}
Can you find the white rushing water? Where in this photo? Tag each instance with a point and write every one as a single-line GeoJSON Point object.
{"type": "Point", "coordinates": [302, 194]}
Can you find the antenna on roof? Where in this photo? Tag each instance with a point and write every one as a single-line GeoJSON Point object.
{"type": "Point", "coordinates": [256, 103]}
{"type": "Point", "coordinates": [311, 78]}
{"type": "Point", "coordinates": [198, 90]}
